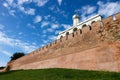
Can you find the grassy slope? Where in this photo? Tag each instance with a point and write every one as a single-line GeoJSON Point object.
{"type": "Point", "coordinates": [59, 74]}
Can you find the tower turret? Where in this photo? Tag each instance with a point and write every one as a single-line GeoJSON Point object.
{"type": "Point", "coordinates": [76, 19]}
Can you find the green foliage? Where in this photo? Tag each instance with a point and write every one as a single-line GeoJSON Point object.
{"type": "Point", "coordinates": [17, 55]}
{"type": "Point", "coordinates": [2, 67]}
{"type": "Point", "coordinates": [59, 74]}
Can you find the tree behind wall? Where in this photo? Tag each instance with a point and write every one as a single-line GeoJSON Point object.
{"type": "Point", "coordinates": [17, 55]}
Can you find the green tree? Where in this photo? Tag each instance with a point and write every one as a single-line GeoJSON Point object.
{"type": "Point", "coordinates": [2, 67]}
{"type": "Point", "coordinates": [17, 55]}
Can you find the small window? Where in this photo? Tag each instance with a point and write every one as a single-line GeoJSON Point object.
{"type": "Point", "coordinates": [80, 31]}
{"type": "Point", "coordinates": [90, 27]}
{"type": "Point", "coordinates": [75, 29]}
{"type": "Point", "coordinates": [55, 41]}
{"type": "Point", "coordinates": [50, 44]}
{"type": "Point", "coordinates": [67, 33]}
{"type": "Point", "coordinates": [73, 34]}
{"type": "Point", "coordinates": [46, 46]}
{"type": "Point", "coordinates": [92, 22]}
{"type": "Point", "coordinates": [61, 37]}
{"type": "Point", "coordinates": [84, 25]}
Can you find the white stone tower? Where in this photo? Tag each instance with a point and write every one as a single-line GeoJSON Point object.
{"type": "Point", "coordinates": [76, 19]}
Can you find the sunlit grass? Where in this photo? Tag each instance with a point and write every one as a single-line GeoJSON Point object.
{"type": "Point", "coordinates": [59, 74]}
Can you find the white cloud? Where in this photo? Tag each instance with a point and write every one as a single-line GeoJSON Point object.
{"type": "Point", "coordinates": [54, 26]}
{"type": "Point", "coordinates": [104, 9]}
{"type": "Point", "coordinates": [58, 31]}
{"type": "Point", "coordinates": [21, 2]}
{"type": "Point", "coordinates": [42, 45]}
{"type": "Point", "coordinates": [88, 9]}
{"type": "Point", "coordinates": [30, 11]}
{"type": "Point", "coordinates": [31, 26]}
{"type": "Point", "coordinates": [50, 30]}
{"type": "Point", "coordinates": [21, 8]}
{"type": "Point", "coordinates": [108, 8]}
{"type": "Point", "coordinates": [40, 3]}
{"type": "Point", "coordinates": [43, 24]}
{"type": "Point", "coordinates": [10, 2]}
{"type": "Point", "coordinates": [20, 33]}
{"type": "Point", "coordinates": [59, 2]}
{"type": "Point", "coordinates": [44, 31]}
{"type": "Point", "coordinates": [84, 17]}
{"type": "Point", "coordinates": [57, 10]}
{"type": "Point", "coordinates": [45, 41]}
{"type": "Point", "coordinates": [6, 53]}
{"type": "Point", "coordinates": [1, 27]}
{"type": "Point", "coordinates": [6, 5]}
{"type": "Point", "coordinates": [12, 12]}
{"type": "Point", "coordinates": [27, 47]}
{"type": "Point", "coordinates": [37, 19]}
{"type": "Point", "coordinates": [52, 37]}
{"type": "Point", "coordinates": [47, 17]}
{"type": "Point", "coordinates": [66, 26]}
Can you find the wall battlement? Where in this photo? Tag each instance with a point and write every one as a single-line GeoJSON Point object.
{"type": "Point", "coordinates": [91, 36]}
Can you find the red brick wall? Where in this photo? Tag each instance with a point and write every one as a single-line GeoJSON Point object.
{"type": "Point", "coordinates": [81, 51]}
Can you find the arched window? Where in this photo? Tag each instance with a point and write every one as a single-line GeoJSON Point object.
{"type": "Point", "coordinates": [75, 29]}
{"type": "Point", "coordinates": [46, 46]}
{"type": "Point", "coordinates": [90, 27]}
{"type": "Point", "coordinates": [43, 47]}
{"type": "Point", "coordinates": [92, 22]}
{"type": "Point", "coordinates": [61, 38]}
{"type": "Point", "coordinates": [67, 33]}
{"type": "Point", "coordinates": [80, 31]}
{"type": "Point", "coordinates": [55, 41]}
{"type": "Point", "coordinates": [84, 25]}
{"type": "Point", "coordinates": [73, 34]}
{"type": "Point", "coordinates": [50, 44]}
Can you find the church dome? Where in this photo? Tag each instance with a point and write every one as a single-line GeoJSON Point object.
{"type": "Point", "coordinates": [76, 16]}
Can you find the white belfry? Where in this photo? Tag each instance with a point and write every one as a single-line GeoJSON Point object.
{"type": "Point", "coordinates": [76, 19]}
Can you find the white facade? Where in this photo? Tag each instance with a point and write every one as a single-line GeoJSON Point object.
{"type": "Point", "coordinates": [77, 24]}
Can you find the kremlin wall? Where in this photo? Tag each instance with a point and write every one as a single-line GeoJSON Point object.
{"type": "Point", "coordinates": [94, 47]}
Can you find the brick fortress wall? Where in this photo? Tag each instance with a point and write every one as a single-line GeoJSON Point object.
{"type": "Point", "coordinates": [92, 48]}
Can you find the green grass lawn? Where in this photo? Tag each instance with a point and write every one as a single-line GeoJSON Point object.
{"type": "Point", "coordinates": [59, 74]}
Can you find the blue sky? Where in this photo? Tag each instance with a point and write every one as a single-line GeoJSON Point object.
{"type": "Point", "coordinates": [26, 25]}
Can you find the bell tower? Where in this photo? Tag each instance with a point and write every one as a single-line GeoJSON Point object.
{"type": "Point", "coordinates": [76, 19]}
